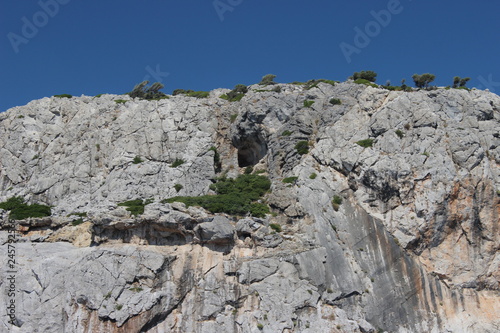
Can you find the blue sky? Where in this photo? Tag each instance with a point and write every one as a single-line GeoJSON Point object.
{"type": "Point", "coordinates": [91, 47]}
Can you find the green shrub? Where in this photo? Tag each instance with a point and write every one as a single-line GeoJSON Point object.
{"type": "Point", "coordinates": [258, 209]}
{"type": "Point", "coordinates": [392, 88]}
{"type": "Point", "coordinates": [370, 76]}
{"type": "Point", "coordinates": [248, 170]}
{"type": "Point", "coordinates": [313, 175]}
{"type": "Point", "coordinates": [399, 133]}
{"type": "Point", "coordinates": [286, 133]}
{"type": "Point", "coordinates": [236, 94]}
{"type": "Point", "coordinates": [365, 82]}
{"type": "Point", "coordinates": [63, 96]}
{"type": "Point", "coordinates": [302, 147]}
{"type": "Point", "coordinates": [137, 160]}
{"type": "Point", "coordinates": [260, 326]}
{"type": "Point", "coordinates": [198, 94]}
{"type": "Point", "coordinates": [177, 162]}
{"type": "Point", "coordinates": [307, 104]}
{"type": "Point", "coordinates": [191, 93]}
{"type": "Point", "coordinates": [276, 89]}
{"type": "Point", "coordinates": [233, 117]}
{"type": "Point", "coordinates": [234, 196]}
{"type": "Point", "coordinates": [99, 95]}
{"type": "Point", "coordinates": [275, 226]}
{"type": "Point", "coordinates": [119, 307]}
{"type": "Point", "coordinates": [180, 91]}
{"type": "Point", "coordinates": [290, 180]}
{"type": "Point", "coordinates": [77, 222]}
{"type": "Point", "coordinates": [267, 80]}
{"type": "Point", "coordinates": [136, 207]}
{"type": "Point", "coordinates": [19, 210]}
{"type": "Point", "coordinates": [336, 202]}
{"type": "Point", "coordinates": [366, 143]}
{"type": "Point", "coordinates": [335, 101]}
{"type": "Point", "coordinates": [120, 101]}
{"type": "Point", "coordinates": [178, 187]}
{"type": "Point", "coordinates": [136, 289]}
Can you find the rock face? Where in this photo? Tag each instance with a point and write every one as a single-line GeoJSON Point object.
{"type": "Point", "coordinates": [409, 244]}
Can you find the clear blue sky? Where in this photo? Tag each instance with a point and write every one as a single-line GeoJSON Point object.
{"type": "Point", "coordinates": [92, 47]}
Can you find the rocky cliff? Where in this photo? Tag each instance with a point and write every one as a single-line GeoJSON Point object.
{"type": "Point", "coordinates": [391, 224]}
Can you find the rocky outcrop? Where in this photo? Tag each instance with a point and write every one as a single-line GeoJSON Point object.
{"type": "Point", "coordinates": [409, 245]}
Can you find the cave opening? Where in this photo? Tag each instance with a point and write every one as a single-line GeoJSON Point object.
{"type": "Point", "coordinates": [251, 150]}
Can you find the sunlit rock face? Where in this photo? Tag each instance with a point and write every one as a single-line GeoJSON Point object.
{"type": "Point", "coordinates": [399, 233]}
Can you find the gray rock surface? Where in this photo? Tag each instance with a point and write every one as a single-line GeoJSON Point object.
{"type": "Point", "coordinates": [412, 247]}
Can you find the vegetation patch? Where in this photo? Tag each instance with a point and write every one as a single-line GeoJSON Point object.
{"type": "Point", "coordinates": [136, 207]}
{"type": "Point", "coordinates": [302, 147]}
{"type": "Point", "coordinates": [313, 175]}
{"type": "Point", "coordinates": [191, 93]}
{"type": "Point", "coordinates": [63, 96]}
{"type": "Point", "coordinates": [120, 101]}
{"type": "Point", "coordinates": [286, 133]}
{"type": "Point", "coordinates": [178, 187]}
{"type": "Point", "coordinates": [336, 202]}
{"type": "Point", "coordinates": [177, 162]}
{"type": "Point", "coordinates": [400, 133]}
{"type": "Point", "coordinates": [77, 222]}
{"type": "Point", "coordinates": [198, 94]}
{"type": "Point", "coordinates": [234, 196]}
{"type": "Point", "coordinates": [370, 76]}
{"type": "Point", "coordinates": [335, 101]}
{"type": "Point", "coordinates": [275, 226]}
{"type": "Point", "coordinates": [19, 210]}
{"type": "Point", "coordinates": [137, 160]}
{"type": "Point", "coordinates": [236, 94]}
{"type": "Point", "coordinates": [366, 143]}
{"type": "Point", "coordinates": [290, 180]}
{"type": "Point", "coordinates": [365, 82]}
{"type": "Point", "coordinates": [307, 104]}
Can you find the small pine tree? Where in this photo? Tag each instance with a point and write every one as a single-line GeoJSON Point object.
{"type": "Point", "coordinates": [423, 80]}
{"type": "Point", "coordinates": [267, 80]}
{"type": "Point", "coordinates": [464, 81]}
{"type": "Point", "coordinates": [152, 92]}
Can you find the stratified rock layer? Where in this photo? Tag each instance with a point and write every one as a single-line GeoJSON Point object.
{"type": "Point", "coordinates": [412, 246]}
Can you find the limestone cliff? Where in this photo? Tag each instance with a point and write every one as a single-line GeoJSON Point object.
{"type": "Point", "coordinates": [409, 244]}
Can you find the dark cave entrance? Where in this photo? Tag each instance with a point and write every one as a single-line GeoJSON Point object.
{"type": "Point", "coordinates": [251, 150]}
